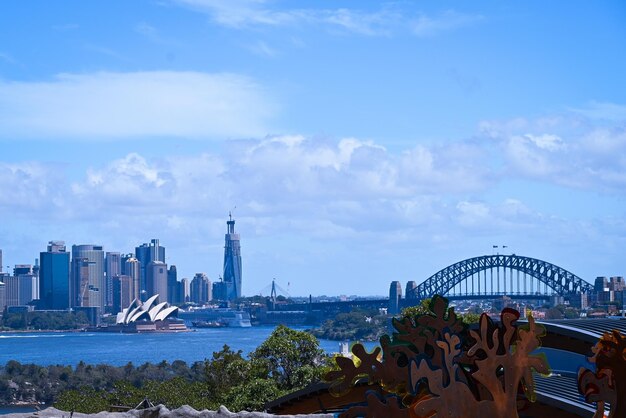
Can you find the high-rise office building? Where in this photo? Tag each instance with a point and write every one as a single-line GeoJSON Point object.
{"type": "Point", "coordinates": [200, 289]}
{"type": "Point", "coordinates": [12, 291]}
{"type": "Point", "coordinates": [173, 288]}
{"type": "Point", "coordinates": [54, 277]}
{"type": "Point", "coordinates": [156, 280]}
{"type": "Point", "coordinates": [232, 262]}
{"type": "Point", "coordinates": [83, 293]}
{"type": "Point", "coordinates": [22, 269]}
{"type": "Point", "coordinates": [3, 293]}
{"type": "Point", "coordinates": [96, 283]}
{"type": "Point", "coordinates": [146, 253]}
{"type": "Point", "coordinates": [36, 268]}
{"type": "Point", "coordinates": [20, 290]}
{"type": "Point", "coordinates": [186, 290]}
{"type": "Point", "coordinates": [131, 268]}
{"type": "Point", "coordinates": [1, 261]}
{"type": "Point", "coordinates": [122, 292]}
{"type": "Point", "coordinates": [29, 288]}
{"type": "Point", "coordinates": [112, 268]}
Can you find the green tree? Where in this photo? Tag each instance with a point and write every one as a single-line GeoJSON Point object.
{"type": "Point", "coordinates": [413, 311]}
{"type": "Point", "coordinates": [226, 369]}
{"type": "Point", "coordinates": [292, 357]}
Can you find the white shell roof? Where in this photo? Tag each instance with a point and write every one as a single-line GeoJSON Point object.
{"type": "Point", "coordinates": [155, 310]}
{"type": "Point", "coordinates": [166, 313]}
{"type": "Point", "coordinates": [150, 310]}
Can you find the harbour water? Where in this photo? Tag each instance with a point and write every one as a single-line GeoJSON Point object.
{"type": "Point", "coordinates": [69, 348]}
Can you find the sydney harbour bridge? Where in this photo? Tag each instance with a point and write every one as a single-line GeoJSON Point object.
{"type": "Point", "coordinates": [483, 277]}
{"type": "Point", "coordinates": [490, 276]}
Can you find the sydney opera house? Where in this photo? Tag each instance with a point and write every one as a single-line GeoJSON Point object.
{"type": "Point", "coordinates": [148, 316]}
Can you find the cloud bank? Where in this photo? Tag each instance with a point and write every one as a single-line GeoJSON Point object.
{"type": "Point", "coordinates": [137, 104]}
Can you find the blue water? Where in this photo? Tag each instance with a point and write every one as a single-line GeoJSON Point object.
{"type": "Point", "coordinates": [18, 409]}
{"type": "Point", "coordinates": [119, 349]}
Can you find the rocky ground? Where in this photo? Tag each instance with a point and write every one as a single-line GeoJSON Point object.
{"type": "Point", "coordinates": [159, 412]}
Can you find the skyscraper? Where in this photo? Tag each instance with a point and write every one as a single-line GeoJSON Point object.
{"type": "Point", "coordinates": [146, 253]}
{"type": "Point", "coordinates": [131, 268]}
{"type": "Point", "coordinates": [156, 280]}
{"type": "Point", "coordinates": [54, 277]}
{"type": "Point", "coordinates": [122, 292]}
{"type": "Point", "coordinates": [185, 290]}
{"type": "Point", "coordinates": [112, 268]}
{"type": "Point", "coordinates": [0, 261]}
{"type": "Point", "coordinates": [200, 288]}
{"type": "Point", "coordinates": [22, 269]}
{"type": "Point", "coordinates": [96, 283]}
{"type": "Point", "coordinates": [232, 262]}
{"type": "Point", "coordinates": [173, 292]}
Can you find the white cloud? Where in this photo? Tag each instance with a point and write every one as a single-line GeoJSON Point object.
{"type": "Point", "coordinates": [263, 49]}
{"type": "Point", "coordinates": [566, 149]}
{"type": "Point", "coordinates": [603, 110]}
{"type": "Point", "coordinates": [351, 183]}
{"type": "Point", "coordinates": [121, 105]}
{"type": "Point", "coordinates": [432, 25]}
{"type": "Point", "coordinates": [546, 141]}
{"type": "Point", "coordinates": [383, 22]}
{"type": "Point", "coordinates": [29, 188]}
{"type": "Point", "coordinates": [240, 13]}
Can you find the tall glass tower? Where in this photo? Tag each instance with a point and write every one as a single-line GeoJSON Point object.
{"type": "Point", "coordinates": [232, 262]}
{"type": "Point", "coordinates": [95, 280]}
{"type": "Point", "coordinates": [54, 277]}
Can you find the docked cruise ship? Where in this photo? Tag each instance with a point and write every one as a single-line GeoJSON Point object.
{"type": "Point", "coordinates": [230, 317]}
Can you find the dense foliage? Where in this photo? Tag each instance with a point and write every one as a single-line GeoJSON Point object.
{"type": "Point", "coordinates": [468, 318]}
{"type": "Point", "coordinates": [38, 320]}
{"type": "Point", "coordinates": [288, 360]}
{"type": "Point", "coordinates": [355, 325]}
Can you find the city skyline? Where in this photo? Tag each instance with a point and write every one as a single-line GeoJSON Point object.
{"type": "Point", "coordinates": [360, 143]}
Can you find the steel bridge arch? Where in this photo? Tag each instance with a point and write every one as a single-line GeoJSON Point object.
{"type": "Point", "coordinates": [560, 280]}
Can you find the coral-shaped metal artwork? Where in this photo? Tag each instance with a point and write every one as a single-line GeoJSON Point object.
{"type": "Point", "coordinates": [608, 383]}
{"type": "Point", "coordinates": [434, 366]}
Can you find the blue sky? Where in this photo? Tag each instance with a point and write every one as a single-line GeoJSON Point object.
{"type": "Point", "coordinates": [360, 142]}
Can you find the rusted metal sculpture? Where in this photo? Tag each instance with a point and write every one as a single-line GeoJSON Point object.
{"type": "Point", "coordinates": [608, 383]}
{"type": "Point", "coordinates": [433, 366]}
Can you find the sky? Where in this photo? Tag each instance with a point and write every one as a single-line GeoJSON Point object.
{"type": "Point", "coordinates": [354, 142]}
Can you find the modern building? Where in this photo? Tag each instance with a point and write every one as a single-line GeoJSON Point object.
{"type": "Point", "coordinates": [174, 288]}
{"type": "Point", "coordinates": [20, 290]}
{"type": "Point", "coordinates": [22, 269]}
{"type": "Point", "coordinates": [146, 253]}
{"type": "Point", "coordinates": [112, 268]}
{"type": "Point", "coordinates": [131, 268]}
{"type": "Point", "coordinates": [186, 289]}
{"type": "Point", "coordinates": [96, 280]}
{"type": "Point", "coordinates": [1, 261]}
{"type": "Point", "coordinates": [123, 291]}
{"type": "Point", "coordinates": [156, 279]}
{"type": "Point", "coordinates": [395, 295]}
{"type": "Point", "coordinates": [83, 293]}
{"type": "Point", "coordinates": [54, 277]}
{"type": "Point", "coordinates": [29, 288]}
{"type": "Point", "coordinates": [232, 262]}
{"type": "Point", "coordinates": [3, 292]}
{"type": "Point", "coordinates": [200, 289]}
{"type": "Point", "coordinates": [149, 316]}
